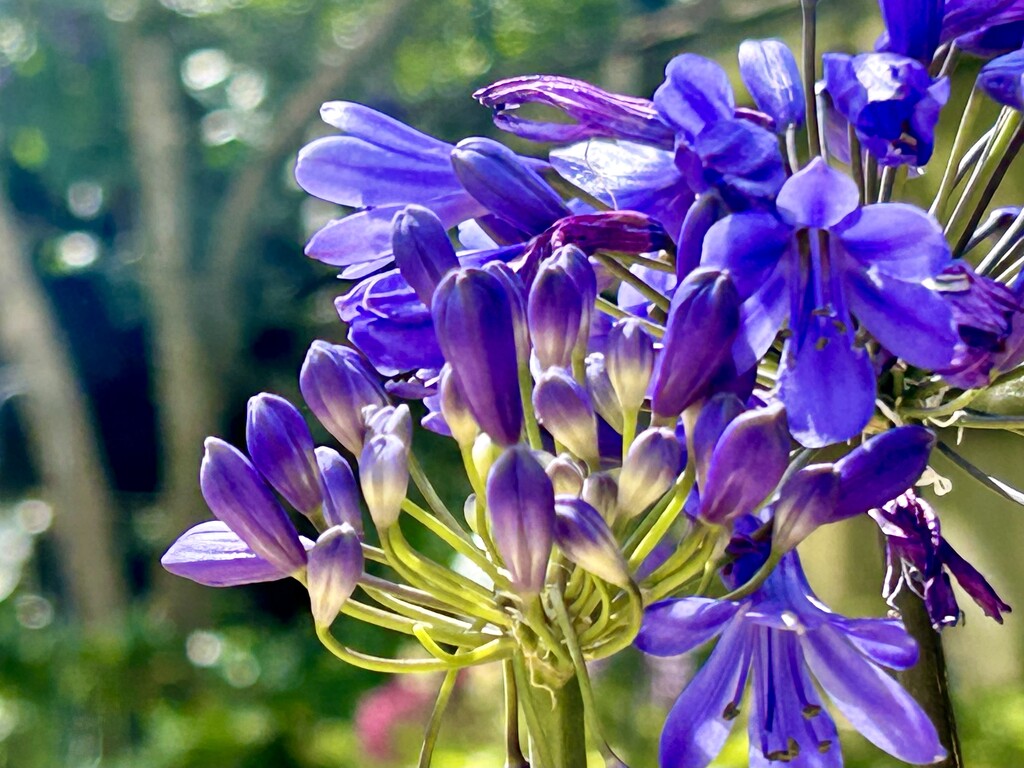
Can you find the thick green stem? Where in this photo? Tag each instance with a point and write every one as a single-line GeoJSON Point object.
{"type": "Point", "coordinates": [556, 724]}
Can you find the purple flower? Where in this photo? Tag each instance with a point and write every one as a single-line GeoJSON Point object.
{"type": "Point", "coordinates": [238, 497]}
{"type": "Point", "coordinates": [384, 478]}
{"type": "Point", "coordinates": [521, 505]}
{"type": "Point", "coordinates": [890, 100]}
{"type": "Point", "coordinates": [984, 27]}
{"type": "Point", "coordinates": [874, 267]}
{"type": "Point", "coordinates": [919, 557]}
{"type": "Point", "coordinates": [703, 321]}
{"type": "Point", "coordinates": [473, 315]}
{"type": "Point", "coordinates": [785, 635]}
{"type": "Point", "coordinates": [649, 470]}
{"type": "Point", "coordinates": [1003, 79]}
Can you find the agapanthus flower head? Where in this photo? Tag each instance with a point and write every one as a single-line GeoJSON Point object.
{"type": "Point", "coordinates": [474, 322]}
{"type": "Point", "coordinates": [335, 565]}
{"type": "Point", "coordinates": [785, 636]}
{"type": "Point", "coordinates": [281, 447]}
{"type": "Point", "coordinates": [920, 559]}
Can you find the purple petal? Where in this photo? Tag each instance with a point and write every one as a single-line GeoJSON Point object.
{"type": "Point", "coordinates": [974, 583]}
{"type": "Point", "coordinates": [817, 196]}
{"type": "Point", "coordinates": [700, 720]}
{"type": "Point", "coordinates": [394, 347]}
{"type": "Point", "coordinates": [881, 469]}
{"type": "Point", "coordinates": [379, 129]}
{"type": "Point", "coordinates": [761, 317]}
{"type": "Point", "coordinates": [806, 501]}
{"type": "Point", "coordinates": [912, 321]}
{"type": "Point", "coordinates": [873, 702]}
{"type": "Point", "coordinates": [212, 555]}
{"type": "Point", "coordinates": [884, 641]}
{"type": "Point", "coordinates": [749, 246]}
{"type": "Point", "coordinates": [1003, 79]}
{"type": "Point", "coordinates": [771, 75]}
{"type": "Point", "coordinates": [673, 627]}
{"type": "Point", "coordinates": [912, 27]}
{"type": "Point", "coordinates": [695, 95]}
{"type": "Point", "coordinates": [741, 160]}
{"type": "Point", "coordinates": [895, 238]}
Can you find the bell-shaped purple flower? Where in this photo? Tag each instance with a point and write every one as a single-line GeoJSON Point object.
{"type": "Point", "coordinates": [890, 100]}
{"type": "Point", "coordinates": [521, 505]}
{"type": "Point", "coordinates": [649, 470]}
{"type": "Point", "coordinates": [702, 322]}
{"type": "Point", "coordinates": [759, 439]}
{"type": "Point", "coordinates": [629, 360]}
{"type": "Point", "coordinates": [918, 557]}
{"type": "Point", "coordinates": [474, 323]}
{"type": "Point", "coordinates": [384, 478]}
{"type": "Point", "coordinates": [563, 408]}
{"type": "Point", "coordinates": [341, 496]}
{"type": "Point", "coordinates": [496, 178]}
{"type": "Point", "coordinates": [335, 565]}
{"type": "Point", "coordinates": [771, 75]}
{"type": "Point", "coordinates": [213, 555]}
{"type": "Point", "coordinates": [1003, 80]}
{"type": "Point", "coordinates": [585, 539]}
{"type": "Point", "coordinates": [594, 112]}
{"type": "Point", "coordinates": [423, 252]}
{"type": "Point", "coordinates": [281, 447]}
{"type": "Point", "coordinates": [237, 495]}
{"type": "Point", "coordinates": [912, 28]}
{"type": "Point", "coordinates": [336, 385]}
{"type": "Point", "coordinates": [560, 306]}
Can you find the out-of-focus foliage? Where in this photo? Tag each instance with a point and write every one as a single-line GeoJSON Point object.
{"type": "Point", "coordinates": [247, 684]}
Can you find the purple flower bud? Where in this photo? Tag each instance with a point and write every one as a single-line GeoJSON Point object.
{"type": "Point", "coordinates": [601, 491]}
{"type": "Point", "coordinates": [881, 469]}
{"type": "Point", "coordinates": [595, 112]}
{"type": "Point", "coordinates": [517, 303]}
{"type": "Point", "coordinates": [281, 448]}
{"type": "Point", "coordinates": [715, 415]}
{"type": "Point", "coordinates": [423, 252]}
{"type": "Point", "coordinates": [389, 420]}
{"type": "Point", "coordinates": [771, 75]}
{"type": "Point", "coordinates": [335, 565]}
{"type": "Point", "coordinates": [566, 475]}
{"type": "Point", "coordinates": [602, 394]}
{"type": "Point", "coordinates": [1003, 80]}
{"type": "Point", "coordinates": [756, 439]}
{"type": "Point", "coordinates": [585, 539]}
{"type": "Point", "coordinates": [564, 409]}
{"type": "Point", "coordinates": [211, 554]}
{"type": "Point", "coordinates": [341, 498]}
{"type": "Point", "coordinates": [521, 504]}
{"type": "Point", "coordinates": [629, 360]}
{"type": "Point", "coordinates": [649, 470]}
{"type": "Point", "coordinates": [806, 501]}
{"type": "Point", "coordinates": [474, 324]}
{"type": "Point", "coordinates": [336, 385]}
{"type": "Point", "coordinates": [237, 495]}
{"type": "Point", "coordinates": [702, 214]}
{"type": "Point", "coordinates": [456, 411]}
{"type": "Point", "coordinates": [560, 306]}
{"type": "Point", "coordinates": [384, 478]}
{"type": "Point", "coordinates": [497, 179]}
{"type": "Point", "coordinates": [702, 323]}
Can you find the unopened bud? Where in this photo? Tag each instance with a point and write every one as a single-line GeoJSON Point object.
{"type": "Point", "coordinates": [601, 491]}
{"type": "Point", "coordinates": [423, 252]}
{"type": "Point", "coordinates": [393, 420]}
{"type": "Point", "coordinates": [585, 539]}
{"type": "Point", "coordinates": [281, 448]}
{"type": "Point", "coordinates": [384, 478]}
{"type": "Point", "coordinates": [806, 501]}
{"type": "Point", "coordinates": [456, 412]}
{"type": "Point", "coordinates": [564, 409]}
{"type": "Point", "coordinates": [335, 565]}
{"type": "Point", "coordinates": [629, 361]}
{"type": "Point", "coordinates": [341, 498]}
{"type": "Point", "coordinates": [650, 469]}
{"type": "Point", "coordinates": [602, 393]}
{"type": "Point", "coordinates": [566, 475]}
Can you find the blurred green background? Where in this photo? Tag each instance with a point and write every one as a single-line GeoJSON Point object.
{"type": "Point", "coordinates": [152, 279]}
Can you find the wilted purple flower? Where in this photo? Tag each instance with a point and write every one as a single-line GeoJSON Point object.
{"type": "Point", "coordinates": [585, 539]}
{"type": "Point", "coordinates": [281, 447]}
{"type": "Point", "coordinates": [785, 634]}
{"type": "Point", "coordinates": [521, 505]}
{"type": "Point", "coordinates": [336, 385]}
{"type": "Point", "coordinates": [649, 469]}
{"type": "Point", "coordinates": [703, 320]}
{"type": "Point", "coordinates": [754, 439]}
{"type": "Point", "coordinates": [473, 317]}
{"type": "Point", "coordinates": [890, 100]}
{"type": "Point", "coordinates": [876, 266]}
{"type": "Point", "coordinates": [918, 557]}
{"type": "Point", "coordinates": [384, 478]}
{"type": "Point", "coordinates": [771, 75]}
{"type": "Point", "coordinates": [213, 555]}
{"type": "Point", "coordinates": [238, 497]}
{"type": "Point", "coordinates": [1003, 80]}
{"type": "Point", "coordinates": [341, 499]}
{"type": "Point", "coordinates": [563, 408]}
{"type": "Point", "coordinates": [335, 565]}
{"type": "Point", "coordinates": [423, 252]}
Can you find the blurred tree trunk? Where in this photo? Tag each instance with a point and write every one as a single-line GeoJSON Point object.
{"type": "Point", "coordinates": [62, 436]}
{"type": "Point", "coordinates": [233, 225]}
{"type": "Point", "coordinates": [182, 376]}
